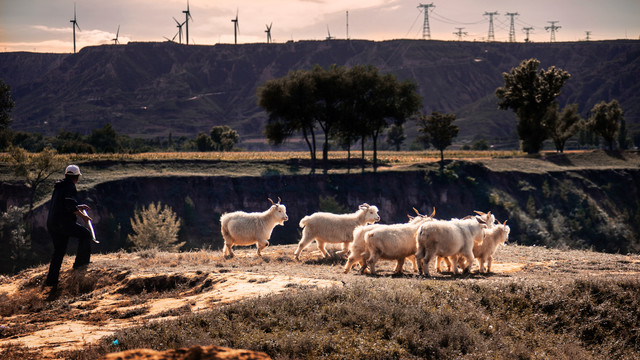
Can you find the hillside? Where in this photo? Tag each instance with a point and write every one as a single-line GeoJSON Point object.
{"type": "Point", "coordinates": [154, 89]}
{"type": "Point", "coordinates": [536, 301]}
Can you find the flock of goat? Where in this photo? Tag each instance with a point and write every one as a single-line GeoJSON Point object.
{"type": "Point", "coordinates": [456, 242]}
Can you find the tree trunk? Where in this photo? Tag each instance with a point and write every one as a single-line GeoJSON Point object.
{"type": "Point", "coordinates": [375, 152]}
{"type": "Point", "coordinates": [362, 148]}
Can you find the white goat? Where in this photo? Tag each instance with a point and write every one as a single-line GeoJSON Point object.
{"type": "Point", "coordinates": [393, 242]}
{"type": "Point", "coordinates": [487, 218]}
{"type": "Point", "coordinates": [493, 237]}
{"type": "Point", "coordinates": [241, 228]}
{"type": "Point", "coordinates": [447, 238]}
{"type": "Point", "coordinates": [334, 228]}
{"type": "Point", "coordinates": [358, 253]}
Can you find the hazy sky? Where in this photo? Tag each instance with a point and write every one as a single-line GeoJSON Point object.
{"type": "Point", "coordinates": [44, 25]}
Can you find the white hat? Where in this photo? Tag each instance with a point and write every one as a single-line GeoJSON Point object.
{"type": "Point", "coordinates": [72, 170]}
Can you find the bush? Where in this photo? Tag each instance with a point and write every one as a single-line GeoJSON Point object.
{"type": "Point", "coordinates": [155, 226]}
{"type": "Point", "coordinates": [15, 243]}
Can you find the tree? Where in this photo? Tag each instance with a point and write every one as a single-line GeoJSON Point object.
{"type": "Point", "coordinates": [204, 142]}
{"type": "Point", "coordinates": [529, 93]}
{"type": "Point", "coordinates": [6, 106]}
{"type": "Point", "coordinates": [155, 227]}
{"type": "Point", "coordinates": [35, 169]}
{"type": "Point", "coordinates": [605, 120]}
{"type": "Point", "coordinates": [440, 130]}
{"type": "Point", "coordinates": [396, 136]}
{"type": "Point", "coordinates": [562, 126]}
{"type": "Point", "coordinates": [290, 104]}
{"type": "Point", "coordinates": [104, 140]}
{"type": "Point", "coordinates": [377, 101]}
{"type": "Point", "coordinates": [624, 141]}
{"type": "Point", "coordinates": [223, 138]}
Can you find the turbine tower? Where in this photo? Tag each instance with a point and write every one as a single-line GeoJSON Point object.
{"type": "Point", "coordinates": [268, 31]}
{"type": "Point", "coordinates": [526, 30]}
{"type": "Point", "coordinates": [459, 33]}
{"type": "Point", "coordinates": [491, 36]}
{"type": "Point", "coordinates": [187, 16]}
{"type": "Point", "coordinates": [236, 28]}
{"type": "Point", "coordinates": [426, 31]}
{"type": "Point", "coordinates": [512, 29]}
{"type": "Point", "coordinates": [347, 24]}
{"type": "Point", "coordinates": [74, 26]}
{"type": "Point", "coordinates": [179, 33]}
{"type": "Point", "coordinates": [588, 33]}
{"type": "Point", "coordinates": [115, 41]}
{"type": "Point", "coordinates": [553, 29]}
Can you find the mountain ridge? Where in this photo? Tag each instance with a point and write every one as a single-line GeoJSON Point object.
{"type": "Point", "coordinates": [147, 89]}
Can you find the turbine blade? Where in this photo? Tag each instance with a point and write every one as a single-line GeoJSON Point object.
{"type": "Point", "coordinates": [177, 22]}
{"type": "Point", "coordinates": [118, 32]}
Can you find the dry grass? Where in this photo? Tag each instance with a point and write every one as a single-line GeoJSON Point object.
{"type": "Point", "coordinates": [539, 303]}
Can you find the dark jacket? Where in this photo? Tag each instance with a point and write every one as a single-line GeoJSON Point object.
{"type": "Point", "coordinates": [63, 205]}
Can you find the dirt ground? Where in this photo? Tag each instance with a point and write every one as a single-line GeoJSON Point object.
{"type": "Point", "coordinates": [121, 290]}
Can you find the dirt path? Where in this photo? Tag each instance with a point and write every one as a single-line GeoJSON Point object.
{"type": "Point", "coordinates": [123, 290]}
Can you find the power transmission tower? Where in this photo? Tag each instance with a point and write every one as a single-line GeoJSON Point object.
{"type": "Point", "coordinates": [553, 29]}
{"type": "Point", "coordinates": [526, 30]}
{"type": "Point", "coordinates": [491, 36]}
{"type": "Point", "coordinates": [460, 33]}
{"type": "Point", "coordinates": [512, 29]}
{"type": "Point", "coordinates": [588, 35]}
{"type": "Point", "coordinates": [426, 31]}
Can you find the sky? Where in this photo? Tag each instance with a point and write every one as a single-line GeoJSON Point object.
{"type": "Point", "coordinates": [45, 26]}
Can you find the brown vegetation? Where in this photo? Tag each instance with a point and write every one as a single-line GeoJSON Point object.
{"type": "Point", "coordinates": [537, 303]}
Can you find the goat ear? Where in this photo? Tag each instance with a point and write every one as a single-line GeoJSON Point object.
{"type": "Point", "coordinates": [410, 217]}
{"type": "Point", "coordinates": [480, 220]}
{"type": "Point", "coordinates": [433, 213]}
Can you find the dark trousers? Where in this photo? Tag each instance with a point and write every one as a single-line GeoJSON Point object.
{"type": "Point", "coordinates": [60, 237]}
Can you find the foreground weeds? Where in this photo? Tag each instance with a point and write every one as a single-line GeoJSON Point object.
{"type": "Point", "coordinates": [410, 318]}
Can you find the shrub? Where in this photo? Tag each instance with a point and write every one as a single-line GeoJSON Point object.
{"type": "Point", "coordinates": [155, 226]}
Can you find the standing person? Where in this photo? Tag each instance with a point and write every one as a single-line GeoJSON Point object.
{"type": "Point", "coordinates": [61, 224]}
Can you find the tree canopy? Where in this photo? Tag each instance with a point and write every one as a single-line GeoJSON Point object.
{"type": "Point", "coordinates": [605, 120]}
{"type": "Point", "coordinates": [438, 129]}
{"type": "Point", "coordinates": [529, 93]}
{"type": "Point", "coordinates": [346, 104]}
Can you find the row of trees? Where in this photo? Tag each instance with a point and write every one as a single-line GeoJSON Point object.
{"type": "Point", "coordinates": [532, 93]}
{"type": "Point", "coordinates": [346, 104]}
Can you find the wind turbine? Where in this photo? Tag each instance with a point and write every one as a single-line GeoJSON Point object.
{"type": "Point", "coordinates": [179, 33]}
{"type": "Point", "coordinates": [268, 31]}
{"type": "Point", "coordinates": [329, 37]}
{"type": "Point", "coordinates": [75, 24]}
{"type": "Point", "coordinates": [115, 41]}
{"type": "Point", "coordinates": [187, 16]}
{"type": "Point", "coordinates": [236, 28]}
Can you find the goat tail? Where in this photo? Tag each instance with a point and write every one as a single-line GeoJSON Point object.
{"type": "Point", "coordinates": [303, 221]}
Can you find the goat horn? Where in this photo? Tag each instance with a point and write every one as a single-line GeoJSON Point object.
{"type": "Point", "coordinates": [272, 203]}
{"type": "Point", "coordinates": [433, 213]}
{"type": "Point", "coordinates": [505, 222]}
{"type": "Point", "coordinates": [416, 210]}
{"type": "Point", "coordinates": [479, 212]}
{"type": "Point", "coordinates": [278, 200]}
